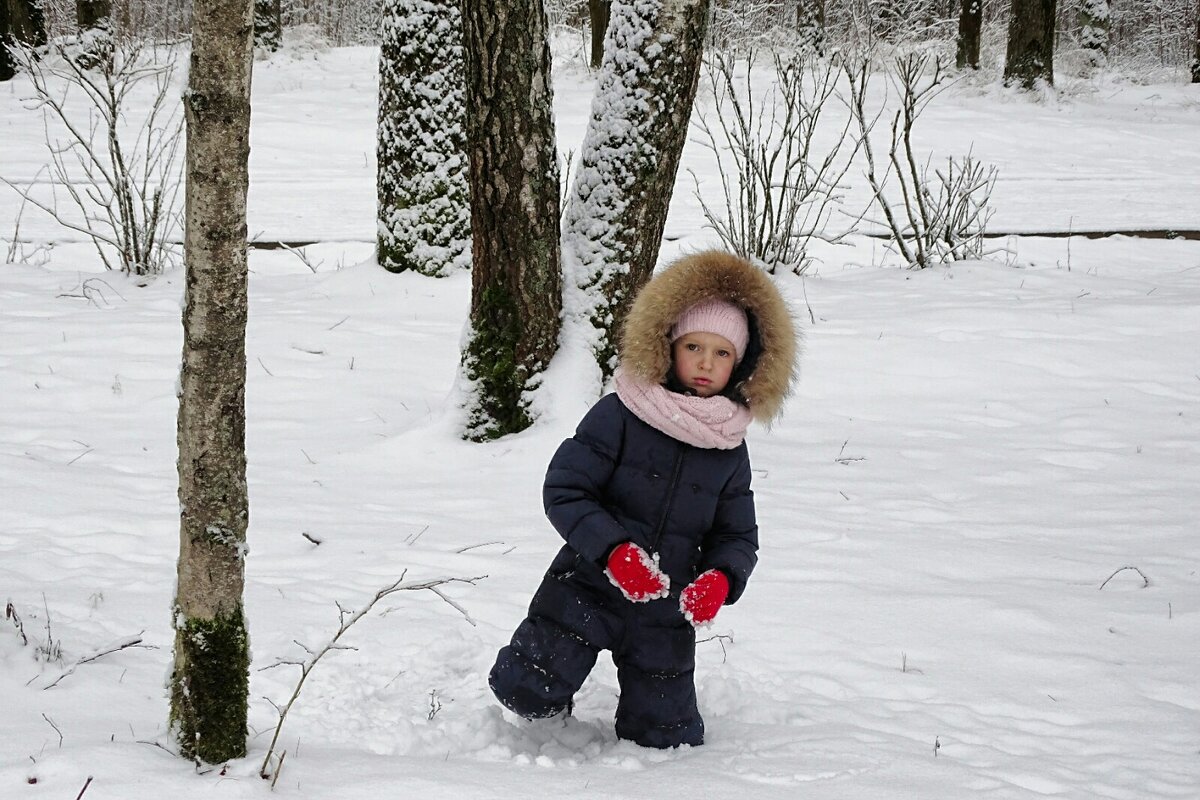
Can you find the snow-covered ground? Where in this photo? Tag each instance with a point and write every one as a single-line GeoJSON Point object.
{"type": "Point", "coordinates": [972, 451]}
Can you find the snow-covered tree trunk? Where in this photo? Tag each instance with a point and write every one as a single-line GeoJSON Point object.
{"type": "Point", "coordinates": [1196, 54]}
{"type": "Point", "coordinates": [210, 679]}
{"type": "Point", "coordinates": [970, 24]}
{"type": "Point", "coordinates": [1029, 57]}
{"type": "Point", "coordinates": [622, 187]}
{"type": "Point", "coordinates": [516, 286]}
{"type": "Point", "coordinates": [423, 214]}
{"type": "Point", "coordinates": [268, 24]}
{"type": "Point", "coordinates": [810, 27]}
{"type": "Point", "coordinates": [1095, 28]}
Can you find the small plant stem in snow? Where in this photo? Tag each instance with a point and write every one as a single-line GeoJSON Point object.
{"type": "Point", "coordinates": [1145, 580]}
{"type": "Point", "coordinates": [347, 619]}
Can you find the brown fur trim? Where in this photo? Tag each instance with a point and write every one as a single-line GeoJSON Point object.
{"type": "Point", "coordinates": [645, 344]}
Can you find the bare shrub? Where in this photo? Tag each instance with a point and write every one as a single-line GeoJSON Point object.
{"type": "Point", "coordinates": [779, 181]}
{"type": "Point", "coordinates": [932, 215]}
{"type": "Point", "coordinates": [119, 170]}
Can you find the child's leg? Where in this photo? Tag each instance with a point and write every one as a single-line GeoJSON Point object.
{"type": "Point", "coordinates": [553, 649]}
{"type": "Point", "coordinates": [655, 668]}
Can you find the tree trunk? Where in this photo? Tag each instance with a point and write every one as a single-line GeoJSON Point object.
{"type": "Point", "coordinates": [1095, 29]}
{"type": "Point", "coordinates": [423, 219]}
{"type": "Point", "coordinates": [8, 67]}
{"type": "Point", "coordinates": [598, 13]}
{"type": "Point", "coordinates": [1196, 59]}
{"type": "Point", "coordinates": [622, 189]}
{"type": "Point", "coordinates": [1030, 54]}
{"type": "Point", "coordinates": [970, 23]}
{"type": "Point", "coordinates": [91, 14]}
{"type": "Point", "coordinates": [211, 671]}
{"type": "Point", "coordinates": [21, 22]}
{"type": "Point", "coordinates": [268, 24]}
{"type": "Point", "coordinates": [810, 27]}
{"type": "Point", "coordinates": [516, 286]}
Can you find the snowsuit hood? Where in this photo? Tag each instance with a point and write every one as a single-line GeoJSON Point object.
{"type": "Point", "coordinates": [766, 374]}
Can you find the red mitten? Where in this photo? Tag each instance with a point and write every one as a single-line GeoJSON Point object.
{"type": "Point", "coordinates": [635, 572]}
{"type": "Point", "coordinates": [703, 597]}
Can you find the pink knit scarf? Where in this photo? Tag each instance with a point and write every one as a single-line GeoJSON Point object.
{"type": "Point", "coordinates": [708, 422]}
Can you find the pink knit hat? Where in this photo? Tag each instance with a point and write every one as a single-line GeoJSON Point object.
{"type": "Point", "coordinates": [715, 316]}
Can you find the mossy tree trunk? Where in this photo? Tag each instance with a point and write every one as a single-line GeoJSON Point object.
{"type": "Point", "coordinates": [210, 679]}
{"type": "Point", "coordinates": [516, 285]}
{"type": "Point", "coordinates": [598, 14]}
{"type": "Point", "coordinates": [1029, 57]}
{"type": "Point", "coordinates": [423, 215]}
{"type": "Point", "coordinates": [622, 189]}
{"type": "Point", "coordinates": [970, 24]}
{"type": "Point", "coordinates": [268, 24]}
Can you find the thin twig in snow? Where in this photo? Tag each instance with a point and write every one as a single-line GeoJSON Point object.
{"type": "Point", "coordinates": [346, 619]}
{"type": "Point", "coordinates": [123, 644]}
{"type": "Point", "coordinates": [1145, 580]}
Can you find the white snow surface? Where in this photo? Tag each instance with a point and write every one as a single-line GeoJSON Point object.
{"type": "Point", "coordinates": [972, 451]}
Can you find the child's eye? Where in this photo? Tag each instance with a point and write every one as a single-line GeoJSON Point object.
{"type": "Point", "coordinates": [692, 346]}
{"type": "Point", "coordinates": [724, 353]}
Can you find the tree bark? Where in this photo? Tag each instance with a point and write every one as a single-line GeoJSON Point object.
{"type": "Point", "coordinates": [598, 14]}
{"type": "Point", "coordinates": [93, 14]}
{"type": "Point", "coordinates": [970, 24]}
{"type": "Point", "coordinates": [1196, 58]}
{"type": "Point", "coordinates": [810, 27]}
{"type": "Point", "coordinates": [1030, 54]}
{"type": "Point", "coordinates": [211, 670]}
{"type": "Point", "coordinates": [268, 24]}
{"type": "Point", "coordinates": [516, 285]}
{"type": "Point", "coordinates": [423, 215]}
{"type": "Point", "coordinates": [622, 190]}
{"type": "Point", "coordinates": [21, 22]}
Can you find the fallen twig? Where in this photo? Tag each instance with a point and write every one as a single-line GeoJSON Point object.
{"type": "Point", "coordinates": [346, 620]}
{"type": "Point", "coordinates": [122, 644]}
{"type": "Point", "coordinates": [1145, 580]}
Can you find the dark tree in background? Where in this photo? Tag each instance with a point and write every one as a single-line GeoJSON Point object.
{"type": "Point", "coordinates": [598, 14]}
{"type": "Point", "coordinates": [1029, 57]}
{"type": "Point", "coordinates": [1196, 55]}
{"type": "Point", "coordinates": [1095, 31]}
{"type": "Point", "coordinates": [210, 680]}
{"type": "Point", "coordinates": [21, 22]}
{"type": "Point", "coordinates": [810, 27]}
{"type": "Point", "coordinates": [423, 215]}
{"type": "Point", "coordinates": [622, 190]}
{"type": "Point", "coordinates": [268, 24]}
{"type": "Point", "coordinates": [516, 285]}
{"type": "Point", "coordinates": [91, 14]}
{"type": "Point", "coordinates": [970, 23]}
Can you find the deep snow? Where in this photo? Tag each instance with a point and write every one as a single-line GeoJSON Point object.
{"type": "Point", "coordinates": [971, 452]}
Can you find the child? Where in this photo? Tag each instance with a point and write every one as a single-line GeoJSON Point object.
{"type": "Point", "coordinates": [652, 495]}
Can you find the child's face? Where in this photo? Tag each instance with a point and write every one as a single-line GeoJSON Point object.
{"type": "Point", "coordinates": [703, 362]}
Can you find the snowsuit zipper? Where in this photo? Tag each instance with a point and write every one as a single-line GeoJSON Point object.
{"type": "Point", "coordinates": [662, 522]}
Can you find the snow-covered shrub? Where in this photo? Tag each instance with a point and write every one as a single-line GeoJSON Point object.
{"type": "Point", "coordinates": [424, 214]}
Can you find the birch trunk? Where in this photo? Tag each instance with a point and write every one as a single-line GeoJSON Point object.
{"type": "Point", "coordinates": [211, 670]}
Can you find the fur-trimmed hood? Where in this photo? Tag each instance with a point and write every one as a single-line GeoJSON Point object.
{"type": "Point", "coordinates": [764, 377]}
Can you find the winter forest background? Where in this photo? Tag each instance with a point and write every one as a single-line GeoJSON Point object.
{"type": "Point", "coordinates": [401, 283]}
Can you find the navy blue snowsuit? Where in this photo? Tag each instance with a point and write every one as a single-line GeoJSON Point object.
{"type": "Point", "coordinates": [618, 479]}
